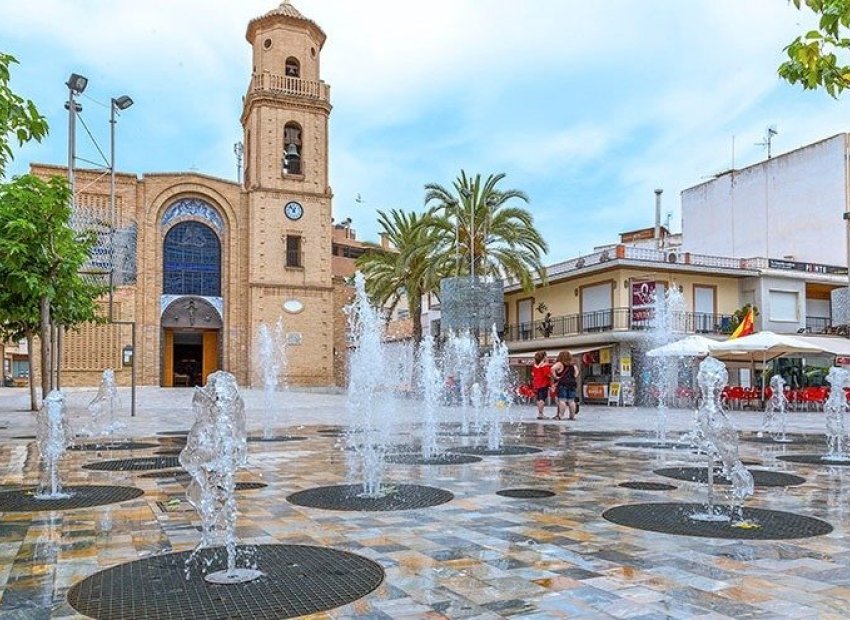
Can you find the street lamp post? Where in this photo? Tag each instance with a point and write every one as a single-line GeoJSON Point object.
{"type": "Point", "coordinates": [121, 103]}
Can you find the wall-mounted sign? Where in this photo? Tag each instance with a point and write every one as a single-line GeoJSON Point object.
{"type": "Point", "coordinates": [293, 306]}
{"type": "Point", "coordinates": [790, 265]}
{"type": "Point", "coordinates": [625, 365]}
{"type": "Point", "coordinates": [643, 298]}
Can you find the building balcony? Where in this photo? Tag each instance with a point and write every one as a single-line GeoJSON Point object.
{"type": "Point", "coordinates": [614, 320]}
{"type": "Point", "coordinates": [285, 85]}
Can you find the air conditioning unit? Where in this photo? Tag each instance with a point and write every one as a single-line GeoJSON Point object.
{"type": "Point", "coordinates": [672, 257]}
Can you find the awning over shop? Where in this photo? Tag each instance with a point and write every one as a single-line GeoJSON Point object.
{"type": "Point", "coordinates": [527, 358]}
{"type": "Point", "coordinates": [831, 345]}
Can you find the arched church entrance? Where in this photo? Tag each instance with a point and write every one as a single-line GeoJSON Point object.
{"type": "Point", "coordinates": [191, 342]}
{"type": "Point", "coordinates": [191, 316]}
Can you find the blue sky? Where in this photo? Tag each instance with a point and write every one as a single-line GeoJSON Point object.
{"type": "Point", "coordinates": [586, 106]}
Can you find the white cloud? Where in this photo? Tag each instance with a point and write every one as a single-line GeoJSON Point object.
{"type": "Point", "coordinates": [588, 106]}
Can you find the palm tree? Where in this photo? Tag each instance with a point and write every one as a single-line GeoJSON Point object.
{"type": "Point", "coordinates": [480, 229]}
{"type": "Point", "coordinates": [404, 269]}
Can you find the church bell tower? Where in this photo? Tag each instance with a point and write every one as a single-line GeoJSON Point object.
{"type": "Point", "coordinates": [285, 123]}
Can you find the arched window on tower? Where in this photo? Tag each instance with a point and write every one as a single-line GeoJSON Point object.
{"type": "Point", "coordinates": [292, 149]}
{"type": "Point", "coordinates": [293, 67]}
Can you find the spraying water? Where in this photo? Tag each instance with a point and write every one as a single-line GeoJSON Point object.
{"type": "Point", "coordinates": [368, 403]}
{"type": "Point", "coordinates": [835, 410]}
{"type": "Point", "coordinates": [271, 360]}
{"type": "Point", "coordinates": [666, 325]}
{"type": "Point", "coordinates": [430, 383]}
{"type": "Point", "coordinates": [103, 408]}
{"type": "Point", "coordinates": [720, 440]}
{"type": "Point", "coordinates": [462, 366]}
{"type": "Point", "coordinates": [215, 448]}
{"type": "Point", "coordinates": [775, 417]}
{"type": "Point", "coordinates": [498, 386]}
{"type": "Point", "coordinates": [53, 436]}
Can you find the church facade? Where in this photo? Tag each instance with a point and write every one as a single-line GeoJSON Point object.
{"type": "Point", "coordinates": [202, 262]}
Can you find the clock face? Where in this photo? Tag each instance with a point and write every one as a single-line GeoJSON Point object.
{"type": "Point", "coordinates": [293, 210]}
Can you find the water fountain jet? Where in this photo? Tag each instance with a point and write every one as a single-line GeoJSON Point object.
{"type": "Point", "coordinates": [53, 436]}
{"type": "Point", "coordinates": [215, 448]}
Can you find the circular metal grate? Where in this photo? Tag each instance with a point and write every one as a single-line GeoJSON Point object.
{"type": "Point", "coordinates": [761, 478]}
{"type": "Point", "coordinates": [503, 451]}
{"type": "Point", "coordinates": [792, 440]}
{"type": "Point", "coordinates": [276, 438]}
{"type": "Point", "coordinates": [173, 433]}
{"type": "Point", "coordinates": [811, 459]}
{"type": "Point", "coordinates": [440, 459]}
{"type": "Point", "coordinates": [169, 451]}
{"type": "Point", "coordinates": [168, 473]}
{"type": "Point", "coordinates": [115, 445]}
{"type": "Point", "coordinates": [348, 497]}
{"type": "Point", "coordinates": [525, 493]}
{"type": "Point", "coordinates": [82, 496]}
{"type": "Point", "coordinates": [655, 445]}
{"type": "Point", "coordinates": [299, 580]}
{"type": "Point", "coordinates": [250, 486]}
{"type": "Point", "coordinates": [24, 437]}
{"type": "Point", "coordinates": [671, 518]}
{"type": "Point", "coordinates": [145, 462]}
{"type": "Point", "coordinates": [641, 485]}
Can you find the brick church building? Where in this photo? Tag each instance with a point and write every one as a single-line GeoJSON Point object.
{"type": "Point", "coordinates": [206, 261]}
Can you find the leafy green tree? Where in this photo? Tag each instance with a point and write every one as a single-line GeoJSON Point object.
{"type": "Point", "coordinates": [42, 260]}
{"type": "Point", "coordinates": [479, 224]}
{"type": "Point", "coordinates": [405, 268]}
{"type": "Point", "coordinates": [819, 58]}
{"type": "Point", "coordinates": [19, 320]}
{"type": "Point", "coordinates": [18, 117]}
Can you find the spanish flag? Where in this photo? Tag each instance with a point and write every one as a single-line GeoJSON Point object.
{"type": "Point", "coordinates": [746, 327]}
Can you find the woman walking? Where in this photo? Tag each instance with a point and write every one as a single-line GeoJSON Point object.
{"type": "Point", "coordinates": [541, 378]}
{"type": "Point", "coordinates": [565, 374]}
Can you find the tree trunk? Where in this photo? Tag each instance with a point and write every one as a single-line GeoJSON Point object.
{"type": "Point", "coordinates": [414, 304]}
{"type": "Point", "coordinates": [30, 358]}
{"type": "Point", "coordinates": [46, 354]}
{"type": "Point", "coordinates": [60, 333]}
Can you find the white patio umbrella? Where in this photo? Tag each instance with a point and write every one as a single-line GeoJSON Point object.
{"type": "Point", "coordinates": [691, 346]}
{"type": "Point", "coordinates": [762, 346]}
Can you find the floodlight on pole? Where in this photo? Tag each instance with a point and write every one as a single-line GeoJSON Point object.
{"type": "Point", "coordinates": [77, 83]}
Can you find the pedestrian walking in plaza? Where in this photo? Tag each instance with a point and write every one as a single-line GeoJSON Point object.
{"type": "Point", "coordinates": [565, 374]}
{"type": "Point", "coordinates": [541, 380]}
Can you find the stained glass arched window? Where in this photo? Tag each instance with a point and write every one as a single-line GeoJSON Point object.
{"type": "Point", "coordinates": [191, 261]}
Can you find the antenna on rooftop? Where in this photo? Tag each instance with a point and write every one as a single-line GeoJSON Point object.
{"type": "Point", "coordinates": [768, 139]}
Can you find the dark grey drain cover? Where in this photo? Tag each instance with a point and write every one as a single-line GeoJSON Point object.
{"type": "Point", "coordinates": [173, 433]}
{"type": "Point", "coordinates": [792, 440]}
{"type": "Point", "coordinates": [300, 580]}
{"type": "Point", "coordinates": [347, 497]}
{"type": "Point", "coordinates": [276, 438]}
{"type": "Point", "coordinates": [761, 478]}
{"type": "Point", "coordinates": [82, 496]}
{"type": "Point", "coordinates": [168, 473]}
{"type": "Point", "coordinates": [440, 459]}
{"type": "Point", "coordinates": [525, 493]}
{"type": "Point", "coordinates": [812, 459]}
{"type": "Point", "coordinates": [250, 486]}
{"type": "Point", "coordinates": [146, 462]}
{"type": "Point", "coordinates": [116, 445]}
{"type": "Point", "coordinates": [503, 451]}
{"type": "Point", "coordinates": [169, 451]}
{"type": "Point", "coordinates": [641, 485]}
{"type": "Point", "coordinates": [655, 445]}
{"type": "Point", "coordinates": [675, 519]}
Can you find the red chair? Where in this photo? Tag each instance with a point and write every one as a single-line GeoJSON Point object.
{"type": "Point", "coordinates": [736, 396]}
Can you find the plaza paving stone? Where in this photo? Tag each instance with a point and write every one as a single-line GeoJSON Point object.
{"type": "Point", "coordinates": [477, 556]}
